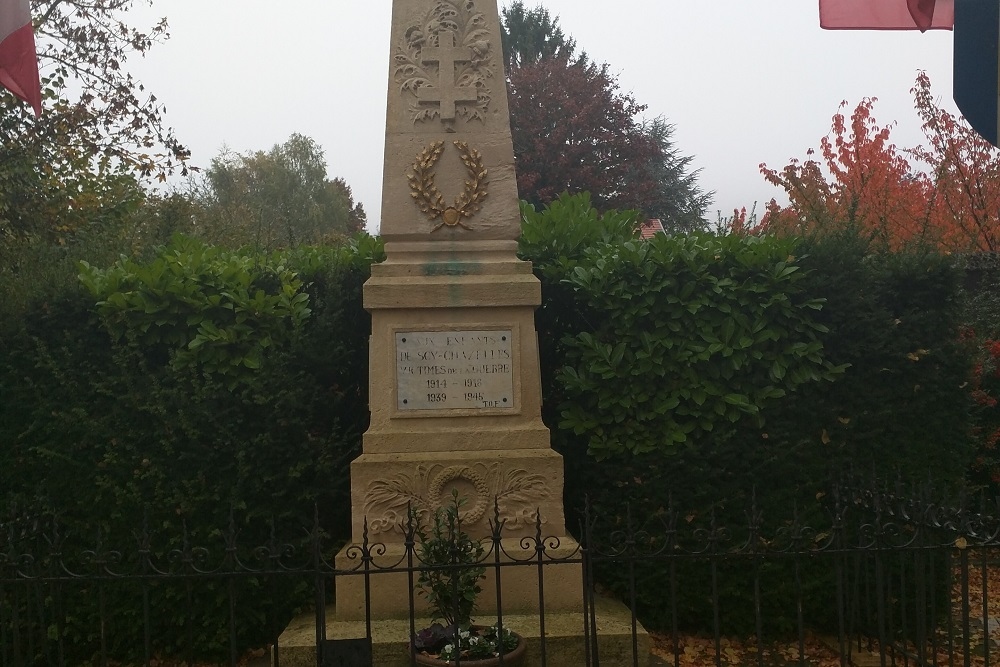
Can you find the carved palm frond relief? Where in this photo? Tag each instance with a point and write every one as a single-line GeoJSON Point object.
{"type": "Point", "coordinates": [517, 494]}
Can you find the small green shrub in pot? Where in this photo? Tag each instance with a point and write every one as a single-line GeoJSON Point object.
{"type": "Point", "coordinates": [450, 584]}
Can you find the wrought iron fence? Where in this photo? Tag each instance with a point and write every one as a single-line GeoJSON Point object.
{"type": "Point", "coordinates": [901, 579]}
{"type": "Point", "coordinates": [873, 577]}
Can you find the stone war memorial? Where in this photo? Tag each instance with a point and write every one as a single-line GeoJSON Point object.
{"type": "Point", "coordinates": [455, 393]}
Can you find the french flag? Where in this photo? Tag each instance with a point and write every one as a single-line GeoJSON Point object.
{"type": "Point", "coordinates": [18, 60]}
{"type": "Point", "coordinates": [919, 15]}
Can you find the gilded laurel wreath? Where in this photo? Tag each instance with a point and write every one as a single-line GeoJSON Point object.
{"type": "Point", "coordinates": [430, 200]}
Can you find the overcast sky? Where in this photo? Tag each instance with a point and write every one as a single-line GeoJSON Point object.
{"type": "Point", "coordinates": [743, 81]}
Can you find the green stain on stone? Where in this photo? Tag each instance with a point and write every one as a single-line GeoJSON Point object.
{"type": "Point", "coordinates": [451, 268]}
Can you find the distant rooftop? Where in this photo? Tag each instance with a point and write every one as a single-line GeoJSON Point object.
{"type": "Point", "coordinates": [651, 227]}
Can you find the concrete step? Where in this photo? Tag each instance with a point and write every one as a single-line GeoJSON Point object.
{"type": "Point", "coordinates": [564, 645]}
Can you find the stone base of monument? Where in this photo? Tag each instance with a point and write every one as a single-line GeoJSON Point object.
{"type": "Point", "coordinates": [564, 638]}
{"type": "Point", "coordinates": [388, 595]}
{"type": "Point", "coordinates": [525, 485]}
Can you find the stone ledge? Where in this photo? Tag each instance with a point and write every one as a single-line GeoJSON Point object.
{"type": "Point", "coordinates": [525, 437]}
{"type": "Point", "coordinates": [505, 250]}
{"type": "Point", "coordinates": [452, 291]}
{"type": "Point", "coordinates": [565, 646]}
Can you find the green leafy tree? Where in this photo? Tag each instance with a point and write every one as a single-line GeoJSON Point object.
{"type": "Point", "coordinates": [72, 180]}
{"type": "Point", "coordinates": [280, 198]}
{"type": "Point", "coordinates": [677, 200]}
{"type": "Point", "coordinates": [53, 216]}
{"type": "Point", "coordinates": [52, 200]}
{"type": "Point", "coordinates": [530, 35]}
{"type": "Point", "coordinates": [83, 49]}
{"type": "Point", "coordinates": [99, 124]}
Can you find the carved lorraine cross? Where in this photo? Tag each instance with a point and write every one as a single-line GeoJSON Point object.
{"type": "Point", "coordinates": [446, 93]}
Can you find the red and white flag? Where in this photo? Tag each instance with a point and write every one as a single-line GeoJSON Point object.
{"type": "Point", "coordinates": [887, 14]}
{"type": "Point", "coordinates": [18, 60]}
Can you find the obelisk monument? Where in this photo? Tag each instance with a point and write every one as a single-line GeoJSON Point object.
{"type": "Point", "coordinates": [454, 378]}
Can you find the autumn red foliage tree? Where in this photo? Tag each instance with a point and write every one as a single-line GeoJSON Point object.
{"type": "Point", "coordinates": [575, 131]}
{"type": "Point", "coordinates": [945, 193]}
{"type": "Point", "coordinates": [859, 179]}
{"type": "Point", "coordinates": [965, 169]}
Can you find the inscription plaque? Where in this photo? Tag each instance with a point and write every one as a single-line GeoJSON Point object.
{"type": "Point", "coordinates": [449, 370]}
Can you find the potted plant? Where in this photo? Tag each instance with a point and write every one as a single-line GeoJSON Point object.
{"type": "Point", "coordinates": [451, 585]}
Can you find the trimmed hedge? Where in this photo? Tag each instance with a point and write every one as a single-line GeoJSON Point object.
{"type": "Point", "coordinates": [889, 329]}
{"type": "Point", "coordinates": [834, 358]}
{"type": "Point", "coordinates": [120, 418]}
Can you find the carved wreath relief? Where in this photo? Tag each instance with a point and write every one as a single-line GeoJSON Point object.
{"type": "Point", "coordinates": [429, 486]}
{"type": "Point", "coordinates": [444, 62]}
{"type": "Point", "coordinates": [430, 200]}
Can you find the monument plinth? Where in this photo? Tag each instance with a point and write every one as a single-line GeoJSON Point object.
{"type": "Point", "coordinates": [455, 391]}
